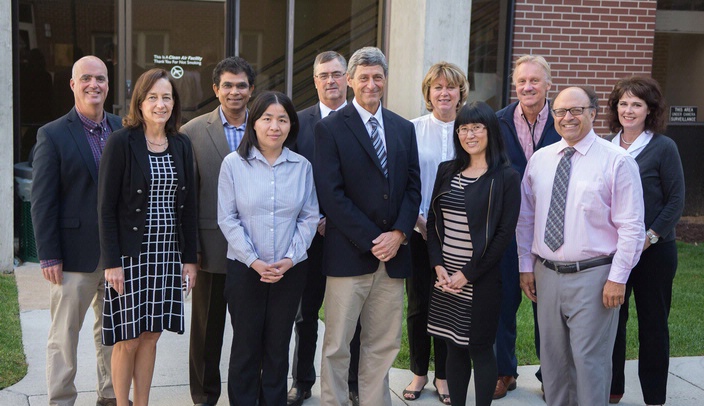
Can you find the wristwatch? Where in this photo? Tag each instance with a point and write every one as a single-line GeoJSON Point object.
{"type": "Point", "coordinates": [652, 237]}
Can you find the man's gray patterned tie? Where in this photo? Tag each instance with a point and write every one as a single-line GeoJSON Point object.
{"type": "Point", "coordinates": [378, 145]}
{"type": "Point", "coordinates": [555, 225]}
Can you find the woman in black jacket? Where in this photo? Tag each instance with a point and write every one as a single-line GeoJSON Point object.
{"type": "Point", "coordinates": [473, 215]}
{"type": "Point", "coordinates": [637, 111]}
{"type": "Point", "coordinates": [147, 223]}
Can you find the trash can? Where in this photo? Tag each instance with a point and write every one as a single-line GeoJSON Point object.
{"type": "Point", "coordinates": [23, 188]}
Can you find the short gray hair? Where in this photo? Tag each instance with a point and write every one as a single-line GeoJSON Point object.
{"type": "Point", "coordinates": [327, 56]}
{"type": "Point", "coordinates": [367, 56]}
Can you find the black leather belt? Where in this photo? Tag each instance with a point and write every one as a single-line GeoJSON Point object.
{"type": "Point", "coordinates": [574, 267]}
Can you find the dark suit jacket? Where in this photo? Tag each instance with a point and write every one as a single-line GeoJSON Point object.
{"type": "Point", "coordinates": [305, 142]}
{"type": "Point", "coordinates": [65, 194]}
{"type": "Point", "coordinates": [210, 147]}
{"type": "Point", "coordinates": [513, 146]}
{"type": "Point", "coordinates": [360, 203]}
{"type": "Point", "coordinates": [123, 196]}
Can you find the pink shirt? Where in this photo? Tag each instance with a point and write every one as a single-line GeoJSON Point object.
{"type": "Point", "coordinates": [523, 129]}
{"type": "Point", "coordinates": [604, 209]}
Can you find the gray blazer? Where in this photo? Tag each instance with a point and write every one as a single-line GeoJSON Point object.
{"type": "Point", "coordinates": [210, 147]}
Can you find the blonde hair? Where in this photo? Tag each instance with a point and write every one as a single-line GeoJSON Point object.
{"type": "Point", "coordinates": [454, 77]}
{"type": "Point", "coordinates": [536, 59]}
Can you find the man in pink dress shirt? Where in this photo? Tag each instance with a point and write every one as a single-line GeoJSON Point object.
{"type": "Point", "coordinates": [577, 271]}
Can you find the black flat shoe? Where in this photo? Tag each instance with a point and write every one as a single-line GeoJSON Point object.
{"type": "Point", "coordinates": [297, 395]}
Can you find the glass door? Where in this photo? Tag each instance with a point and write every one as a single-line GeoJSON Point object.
{"type": "Point", "coordinates": [184, 37]}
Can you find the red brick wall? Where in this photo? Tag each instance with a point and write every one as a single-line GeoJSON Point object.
{"type": "Point", "coordinates": [587, 42]}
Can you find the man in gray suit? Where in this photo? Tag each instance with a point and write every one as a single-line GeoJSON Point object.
{"type": "Point", "coordinates": [65, 218]}
{"type": "Point", "coordinates": [213, 136]}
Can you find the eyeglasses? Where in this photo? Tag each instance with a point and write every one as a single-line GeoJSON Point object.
{"type": "Point", "coordinates": [327, 75]}
{"type": "Point", "coordinates": [575, 111]}
{"type": "Point", "coordinates": [474, 129]}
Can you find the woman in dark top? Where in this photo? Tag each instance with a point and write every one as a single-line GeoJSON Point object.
{"type": "Point", "coordinates": [637, 113]}
{"type": "Point", "coordinates": [472, 218]}
{"type": "Point", "coordinates": [147, 219]}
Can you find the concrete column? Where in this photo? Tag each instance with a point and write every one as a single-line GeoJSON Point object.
{"type": "Point", "coordinates": [422, 33]}
{"type": "Point", "coordinates": [6, 140]}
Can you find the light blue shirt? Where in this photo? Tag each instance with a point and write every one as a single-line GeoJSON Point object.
{"type": "Point", "coordinates": [233, 134]}
{"type": "Point", "coordinates": [267, 212]}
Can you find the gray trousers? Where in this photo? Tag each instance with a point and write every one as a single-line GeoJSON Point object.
{"type": "Point", "coordinates": [577, 336]}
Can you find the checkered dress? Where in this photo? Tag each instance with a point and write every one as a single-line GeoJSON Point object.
{"type": "Point", "coordinates": [153, 298]}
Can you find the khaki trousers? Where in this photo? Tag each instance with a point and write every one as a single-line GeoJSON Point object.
{"type": "Point", "coordinates": [377, 301]}
{"type": "Point", "coordinates": [69, 304]}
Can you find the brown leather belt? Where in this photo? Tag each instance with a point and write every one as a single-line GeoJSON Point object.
{"type": "Point", "coordinates": [574, 267]}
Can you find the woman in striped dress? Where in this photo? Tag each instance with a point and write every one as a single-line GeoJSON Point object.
{"type": "Point", "coordinates": [473, 215]}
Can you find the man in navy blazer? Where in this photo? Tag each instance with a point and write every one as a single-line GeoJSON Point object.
{"type": "Point", "coordinates": [331, 84]}
{"type": "Point", "coordinates": [367, 177]}
{"type": "Point", "coordinates": [65, 218]}
{"type": "Point", "coordinates": [526, 126]}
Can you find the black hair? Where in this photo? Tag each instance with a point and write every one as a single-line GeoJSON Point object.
{"type": "Point", "coordinates": [478, 112]}
{"type": "Point", "coordinates": [259, 106]}
{"type": "Point", "coordinates": [234, 65]}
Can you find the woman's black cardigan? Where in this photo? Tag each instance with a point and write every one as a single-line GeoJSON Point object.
{"type": "Point", "coordinates": [492, 204]}
{"type": "Point", "coordinates": [123, 194]}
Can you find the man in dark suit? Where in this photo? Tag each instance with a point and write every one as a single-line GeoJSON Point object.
{"type": "Point", "coordinates": [526, 126]}
{"type": "Point", "coordinates": [331, 84]}
{"type": "Point", "coordinates": [213, 136]}
{"type": "Point", "coordinates": [65, 218]}
{"type": "Point", "coordinates": [367, 177]}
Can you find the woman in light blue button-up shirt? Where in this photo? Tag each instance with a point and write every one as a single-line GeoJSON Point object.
{"type": "Point", "coordinates": [268, 212]}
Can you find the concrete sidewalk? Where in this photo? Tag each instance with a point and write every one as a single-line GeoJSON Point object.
{"type": "Point", "coordinates": [170, 384]}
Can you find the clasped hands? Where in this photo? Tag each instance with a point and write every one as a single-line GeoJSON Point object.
{"type": "Point", "coordinates": [272, 273]}
{"type": "Point", "coordinates": [447, 283]}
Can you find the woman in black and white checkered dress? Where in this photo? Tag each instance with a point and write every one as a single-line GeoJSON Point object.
{"type": "Point", "coordinates": [147, 220]}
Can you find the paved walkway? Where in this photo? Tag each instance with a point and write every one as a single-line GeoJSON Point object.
{"type": "Point", "coordinates": [170, 384]}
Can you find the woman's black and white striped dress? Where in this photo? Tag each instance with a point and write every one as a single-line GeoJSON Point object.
{"type": "Point", "coordinates": [450, 314]}
{"type": "Point", "coordinates": [152, 299]}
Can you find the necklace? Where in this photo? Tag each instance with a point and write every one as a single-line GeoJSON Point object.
{"type": "Point", "coordinates": [626, 142]}
{"type": "Point", "coordinates": [166, 141]}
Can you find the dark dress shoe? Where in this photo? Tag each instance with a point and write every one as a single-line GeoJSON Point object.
{"type": "Point", "coordinates": [354, 397]}
{"type": "Point", "coordinates": [297, 395]}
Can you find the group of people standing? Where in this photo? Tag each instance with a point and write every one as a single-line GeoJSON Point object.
{"type": "Point", "coordinates": [269, 214]}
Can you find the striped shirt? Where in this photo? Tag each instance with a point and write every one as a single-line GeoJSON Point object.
{"type": "Point", "coordinates": [267, 212]}
{"type": "Point", "coordinates": [233, 134]}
